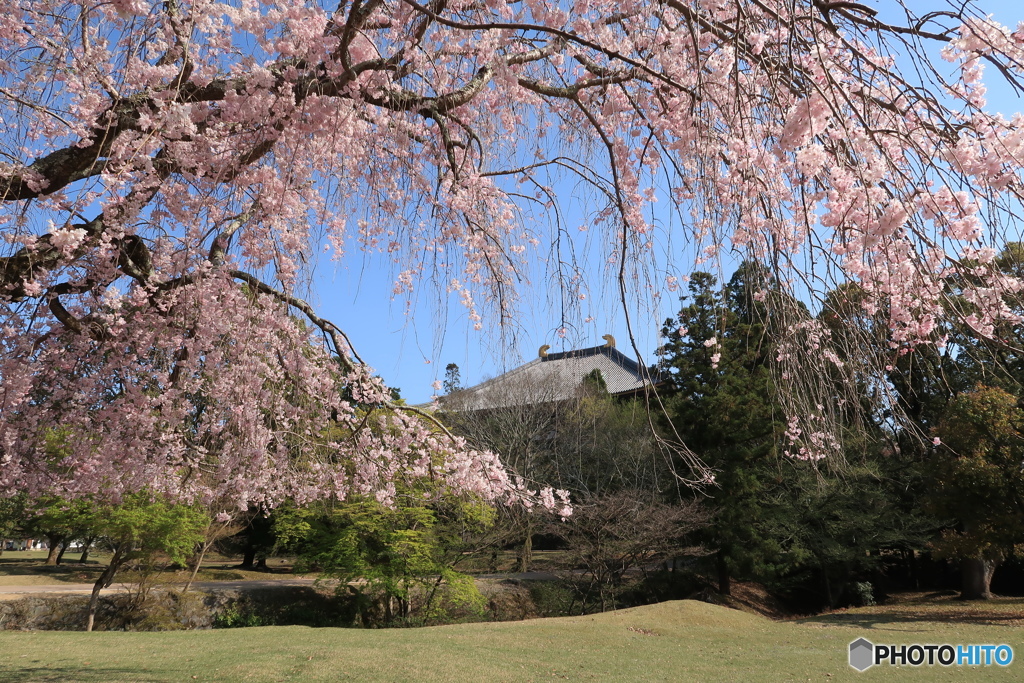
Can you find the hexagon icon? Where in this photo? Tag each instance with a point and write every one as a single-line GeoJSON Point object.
{"type": "Point", "coordinates": [862, 654]}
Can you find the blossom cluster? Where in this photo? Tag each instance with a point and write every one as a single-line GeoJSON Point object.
{"type": "Point", "coordinates": [197, 156]}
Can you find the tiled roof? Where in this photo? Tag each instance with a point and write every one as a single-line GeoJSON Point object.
{"type": "Point", "coordinates": [556, 377]}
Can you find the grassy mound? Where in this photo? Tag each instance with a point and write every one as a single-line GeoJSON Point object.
{"type": "Point", "coordinates": [673, 641]}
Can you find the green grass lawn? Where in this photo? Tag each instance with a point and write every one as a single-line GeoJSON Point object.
{"type": "Point", "coordinates": [675, 641]}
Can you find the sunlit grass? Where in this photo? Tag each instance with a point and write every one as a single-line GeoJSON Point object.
{"type": "Point", "coordinates": [676, 641]}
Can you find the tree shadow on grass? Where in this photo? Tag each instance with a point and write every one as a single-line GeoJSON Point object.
{"type": "Point", "coordinates": [81, 674]}
{"type": "Point", "coordinates": [947, 612]}
{"type": "Point", "coordinates": [70, 572]}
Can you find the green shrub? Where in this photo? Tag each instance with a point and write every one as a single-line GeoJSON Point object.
{"type": "Point", "coordinates": [863, 594]}
{"type": "Point", "coordinates": [556, 599]}
{"type": "Point", "coordinates": [237, 615]}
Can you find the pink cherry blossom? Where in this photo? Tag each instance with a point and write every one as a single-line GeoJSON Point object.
{"type": "Point", "coordinates": [171, 170]}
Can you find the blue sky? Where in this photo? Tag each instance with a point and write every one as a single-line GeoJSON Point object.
{"type": "Point", "coordinates": [411, 350]}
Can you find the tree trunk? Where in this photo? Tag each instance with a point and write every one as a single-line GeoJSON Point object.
{"type": "Point", "coordinates": [85, 551]}
{"type": "Point", "coordinates": [526, 552]}
{"type": "Point", "coordinates": [724, 579]}
{"type": "Point", "coordinates": [51, 556]}
{"type": "Point", "coordinates": [248, 559]}
{"type": "Point", "coordinates": [404, 608]}
{"type": "Point", "coordinates": [63, 549]}
{"type": "Point", "coordinates": [910, 560]}
{"type": "Point", "coordinates": [976, 578]}
{"type": "Point", "coordinates": [195, 569]}
{"type": "Point", "coordinates": [106, 578]}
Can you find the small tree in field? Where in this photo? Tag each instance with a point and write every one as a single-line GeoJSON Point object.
{"type": "Point", "coordinates": [218, 527]}
{"type": "Point", "coordinates": [392, 560]}
{"type": "Point", "coordinates": [139, 529]}
{"type": "Point", "coordinates": [169, 168]}
{"type": "Point", "coordinates": [979, 481]}
{"type": "Point", "coordinates": [613, 534]}
{"type": "Point", "coordinates": [60, 522]}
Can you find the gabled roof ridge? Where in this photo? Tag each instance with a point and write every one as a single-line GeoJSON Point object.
{"type": "Point", "coordinates": [578, 353]}
{"type": "Point", "coordinates": [602, 349]}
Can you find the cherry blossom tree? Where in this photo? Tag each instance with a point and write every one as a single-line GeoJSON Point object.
{"type": "Point", "coordinates": [170, 167]}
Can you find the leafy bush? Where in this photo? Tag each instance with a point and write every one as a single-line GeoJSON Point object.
{"type": "Point", "coordinates": [236, 615]}
{"type": "Point", "coordinates": [393, 563]}
{"type": "Point", "coordinates": [556, 598]}
{"type": "Point", "coordinates": [863, 594]}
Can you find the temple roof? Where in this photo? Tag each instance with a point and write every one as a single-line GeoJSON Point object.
{"type": "Point", "coordinates": [550, 378]}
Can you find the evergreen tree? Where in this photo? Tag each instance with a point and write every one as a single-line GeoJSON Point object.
{"type": "Point", "coordinates": [716, 357]}
{"type": "Point", "coordinates": [819, 525]}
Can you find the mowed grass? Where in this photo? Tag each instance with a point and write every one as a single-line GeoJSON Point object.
{"type": "Point", "coordinates": [674, 641]}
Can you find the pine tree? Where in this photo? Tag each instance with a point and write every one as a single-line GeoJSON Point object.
{"type": "Point", "coordinates": [716, 358]}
